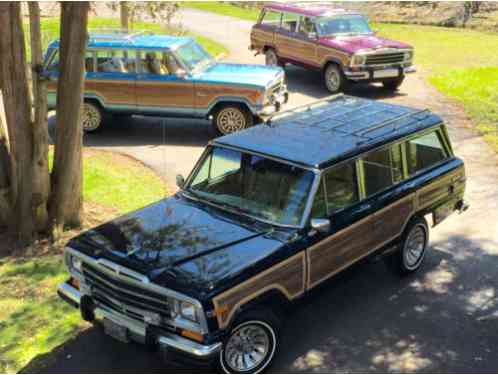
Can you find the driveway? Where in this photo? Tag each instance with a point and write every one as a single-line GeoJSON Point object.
{"type": "Point", "coordinates": [443, 319]}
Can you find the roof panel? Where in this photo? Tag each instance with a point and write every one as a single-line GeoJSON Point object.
{"type": "Point", "coordinates": [331, 130]}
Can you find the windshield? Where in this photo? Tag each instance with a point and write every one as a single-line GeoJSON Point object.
{"type": "Point", "coordinates": [253, 185]}
{"type": "Point", "coordinates": [194, 56]}
{"type": "Point", "coordinates": [342, 25]}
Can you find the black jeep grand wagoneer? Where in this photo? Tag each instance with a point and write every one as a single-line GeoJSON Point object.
{"type": "Point", "coordinates": [266, 215]}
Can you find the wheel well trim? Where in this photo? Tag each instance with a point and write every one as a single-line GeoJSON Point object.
{"type": "Point", "coordinates": [221, 101]}
{"type": "Point", "coordinates": [244, 302]}
{"type": "Point", "coordinates": [332, 61]}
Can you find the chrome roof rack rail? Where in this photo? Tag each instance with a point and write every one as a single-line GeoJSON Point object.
{"type": "Point", "coordinates": [304, 107]}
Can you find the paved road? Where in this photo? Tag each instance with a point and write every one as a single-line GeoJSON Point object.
{"type": "Point", "coordinates": [444, 319]}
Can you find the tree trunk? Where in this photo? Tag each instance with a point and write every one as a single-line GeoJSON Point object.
{"type": "Point", "coordinates": [65, 206]}
{"type": "Point", "coordinates": [125, 15]}
{"type": "Point", "coordinates": [18, 115]}
{"type": "Point", "coordinates": [5, 204]}
{"type": "Point", "coordinates": [41, 179]}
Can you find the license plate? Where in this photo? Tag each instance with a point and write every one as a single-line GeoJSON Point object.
{"type": "Point", "coordinates": [386, 73]}
{"type": "Point", "coordinates": [115, 330]}
{"type": "Point", "coordinates": [442, 212]}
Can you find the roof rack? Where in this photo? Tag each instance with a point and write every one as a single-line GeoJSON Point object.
{"type": "Point", "coordinates": [126, 34]}
{"type": "Point", "coordinates": [306, 107]}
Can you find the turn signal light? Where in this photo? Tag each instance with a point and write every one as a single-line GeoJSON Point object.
{"type": "Point", "coordinates": [192, 335]}
{"type": "Point", "coordinates": [75, 283]}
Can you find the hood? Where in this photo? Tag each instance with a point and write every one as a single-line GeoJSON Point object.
{"type": "Point", "coordinates": [255, 75]}
{"type": "Point", "coordinates": [164, 235]}
{"type": "Point", "coordinates": [353, 44]}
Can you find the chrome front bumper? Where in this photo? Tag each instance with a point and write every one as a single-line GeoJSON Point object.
{"type": "Point", "coordinates": [378, 74]}
{"type": "Point", "coordinates": [137, 329]}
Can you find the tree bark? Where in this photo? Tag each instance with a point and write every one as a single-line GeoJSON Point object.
{"type": "Point", "coordinates": [41, 179]}
{"type": "Point", "coordinates": [5, 204]}
{"type": "Point", "coordinates": [125, 15]}
{"type": "Point", "coordinates": [65, 208]}
{"type": "Point", "coordinates": [18, 115]}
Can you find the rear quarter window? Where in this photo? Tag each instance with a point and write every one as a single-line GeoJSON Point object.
{"type": "Point", "coordinates": [425, 151]}
{"type": "Point", "coordinates": [270, 18]}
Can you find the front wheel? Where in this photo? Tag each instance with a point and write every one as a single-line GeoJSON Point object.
{"type": "Point", "coordinates": [251, 344]}
{"type": "Point", "coordinates": [91, 117]}
{"type": "Point", "coordinates": [231, 118]}
{"type": "Point", "coordinates": [271, 58]}
{"type": "Point", "coordinates": [393, 84]}
{"type": "Point", "coordinates": [334, 79]}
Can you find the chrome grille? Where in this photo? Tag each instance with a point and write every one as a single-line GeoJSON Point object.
{"type": "Point", "coordinates": [135, 302]}
{"type": "Point", "coordinates": [385, 58]}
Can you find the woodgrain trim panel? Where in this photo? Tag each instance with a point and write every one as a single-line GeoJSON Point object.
{"type": "Point", "coordinates": [288, 277]}
{"type": "Point", "coordinates": [314, 251]}
{"type": "Point", "coordinates": [438, 189]}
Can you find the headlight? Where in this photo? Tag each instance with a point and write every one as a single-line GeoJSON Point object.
{"type": "Point", "coordinates": [184, 310]}
{"type": "Point", "coordinates": [74, 263]}
{"type": "Point", "coordinates": [408, 55]}
{"type": "Point", "coordinates": [188, 311]}
{"type": "Point", "coordinates": [358, 60]}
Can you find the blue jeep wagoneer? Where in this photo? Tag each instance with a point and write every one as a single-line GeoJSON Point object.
{"type": "Point", "coordinates": [266, 215]}
{"type": "Point", "coordinates": [172, 76]}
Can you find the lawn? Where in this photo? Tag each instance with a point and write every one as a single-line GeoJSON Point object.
{"type": "Point", "coordinates": [50, 31]}
{"type": "Point", "coordinates": [460, 63]}
{"type": "Point", "coordinates": [33, 320]}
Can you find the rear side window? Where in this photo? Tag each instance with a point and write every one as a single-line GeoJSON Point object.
{"type": "Point", "coordinates": [271, 18]}
{"type": "Point", "coordinates": [289, 22]}
{"type": "Point", "coordinates": [382, 169]}
{"type": "Point", "coordinates": [424, 151]}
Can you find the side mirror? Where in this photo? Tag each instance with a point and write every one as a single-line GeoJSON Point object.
{"type": "Point", "coordinates": [180, 181]}
{"type": "Point", "coordinates": [320, 225]}
{"type": "Point", "coordinates": [312, 35]}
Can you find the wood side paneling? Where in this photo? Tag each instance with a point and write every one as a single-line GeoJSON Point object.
{"type": "Point", "coordinates": [287, 277]}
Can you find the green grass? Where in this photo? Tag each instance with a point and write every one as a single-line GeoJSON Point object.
{"type": "Point", "coordinates": [50, 31]}
{"type": "Point", "coordinates": [33, 320]}
{"type": "Point", "coordinates": [461, 64]}
{"type": "Point", "coordinates": [225, 9]}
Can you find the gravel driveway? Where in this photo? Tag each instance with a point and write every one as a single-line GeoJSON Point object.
{"type": "Point", "coordinates": [444, 319]}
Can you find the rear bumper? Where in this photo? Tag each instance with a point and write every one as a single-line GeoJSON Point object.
{"type": "Point", "coordinates": [369, 74]}
{"type": "Point", "coordinates": [171, 345]}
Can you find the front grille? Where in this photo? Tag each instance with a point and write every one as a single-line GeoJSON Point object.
{"type": "Point", "coordinates": [275, 89]}
{"type": "Point", "coordinates": [385, 58]}
{"type": "Point", "coordinates": [121, 296]}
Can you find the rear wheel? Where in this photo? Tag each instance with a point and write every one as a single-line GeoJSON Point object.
{"type": "Point", "coordinates": [231, 118]}
{"type": "Point", "coordinates": [92, 117]}
{"type": "Point", "coordinates": [334, 79]}
{"type": "Point", "coordinates": [393, 84]}
{"type": "Point", "coordinates": [413, 246]}
{"type": "Point", "coordinates": [252, 343]}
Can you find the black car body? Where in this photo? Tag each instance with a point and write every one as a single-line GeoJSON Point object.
{"type": "Point", "coordinates": [266, 215]}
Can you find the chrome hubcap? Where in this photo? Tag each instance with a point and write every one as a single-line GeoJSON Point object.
{"type": "Point", "coordinates": [414, 248]}
{"type": "Point", "coordinates": [247, 348]}
{"type": "Point", "coordinates": [91, 117]}
{"type": "Point", "coordinates": [271, 58]}
{"type": "Point", "coordinates": [333, 79]}
{"type": "Point", "coordinates": [231, 120]}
